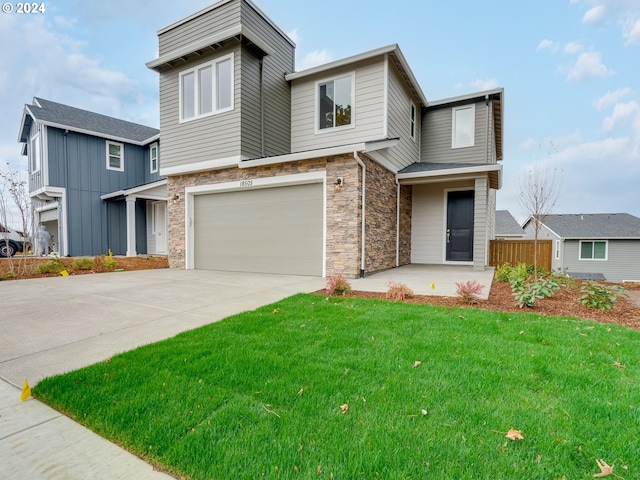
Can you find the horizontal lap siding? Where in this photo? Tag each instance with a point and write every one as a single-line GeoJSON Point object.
{"type": "Point", "coordinates": [368, 106]}
{"type": "Point", "coordinates": [399, 108]}
{"type": "Point", "coordinates": [436, 137]}
{"type": "Point", "coordinates": [623, 260]}
{"type": "Point", "coordinates": [207, 138]}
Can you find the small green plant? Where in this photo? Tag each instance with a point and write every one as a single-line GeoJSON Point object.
{"type": "Point", "coordinates": [8, 276]}
{"type": "Point", "coordinates": [469, 290]}
{"type": "Point", "coordinates": [526, 293]}
{"type": "Point", "coordinates": [597, 295]}
{"type": "Point", "coordinates": [338, 285]}
{"type": "Point", "coordinates": [54, 265]}
{"type": "Point", "coordinates": [398, 291]}
{"type": "Point", "coordinates": [508, 273]}
{"type": "Point", "coordinates": [109, 261]}
{"type": "Point", "coordinates": [83, 264]}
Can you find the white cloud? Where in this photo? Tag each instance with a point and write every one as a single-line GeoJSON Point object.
{"type": "Point", "coordinates": [621, 113]}
{"type": "Point", "coordinates": [573, 48]}
{"type": "Point", "coordinates": [547, 44]}
{"type": "Point", "coordinates": [486, 84]}
{"type": "Point", "coordinates": [293, 35]}
{"type": "Point", "coordinates": [595, 15]}
{"type": "Point", "coordinates": [631, 31]}
{"type": "Point", "coordinates": [588, 66]}
{"type": "Point", "coordinates": [610, 98]}
{"type": "Point", "coordinates": [313, 59]}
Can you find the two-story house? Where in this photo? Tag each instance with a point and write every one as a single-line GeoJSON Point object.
{"type": "Point", "coordinates": [94, 181]}
{"type": "Point", "coordinates": [345, 167]}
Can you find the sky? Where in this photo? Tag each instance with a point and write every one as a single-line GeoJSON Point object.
{"type": "Point", "coordinates": [570, 70]}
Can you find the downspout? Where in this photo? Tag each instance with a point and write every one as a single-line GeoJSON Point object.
{"type": "Point", "coordinates": [397, 223]}
{"type": "Point", "coordinates": [364, 204]}
{"type": "Point", "coordinates": [261, 62]}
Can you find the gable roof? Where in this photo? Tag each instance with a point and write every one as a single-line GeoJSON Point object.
{"type": "Point", "coordinates": [395, 54]}
{"type": "Point", "coordinates": [66, 117]}
{"type": "Point", "coordinates": [594, 225]}
{"type": "Point", "coordinates": [506, 225]}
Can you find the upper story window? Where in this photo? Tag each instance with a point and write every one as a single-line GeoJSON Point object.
{"type": "Point", "coordinates": [153, 158]}
{"type": "Point", "coordinates": [207, 89]}
{"type": "Point", "coordinates": [34, 153]}
{"type": "Point", "coordinates": [412, 120]}
{"type": "Point", "coordinates": [557, 249]}
{"type": "Point", "coordinates": [115, 156]}
{"type": "Point", "coordinates": [463, 127]}
{"type": "Point", "coordinates": [335, 103]}
{"type": "Point", "coordinates": [592, 250]}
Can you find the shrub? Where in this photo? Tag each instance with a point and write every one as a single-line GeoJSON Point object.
{"type": "Point", "coordinates": [54, 265]}
{"type": "Point", "coordinates": [597, 295]}
{"type": "Point", "coordinates": [102, 263]}
{"type": "Point", "coordinates": [109, 261]}
{"type": "Point", "coordinates": [398, 291]}
{"type": "Point", "coordinates": [507, 273]}
{"type": "Point", "coordinates": [469, 290]}
{"type": "Point", "coordinates": [338, 285]}
{"type": "Point", "coordinates": [526, 293]}
{"type": "Point", "coordinates": [83, 264]}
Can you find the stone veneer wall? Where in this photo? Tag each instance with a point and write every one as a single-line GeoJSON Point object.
{"type": "Point", "coordinates": [343, 207]}
{"type": "Point", "coordinates": [406, 208]}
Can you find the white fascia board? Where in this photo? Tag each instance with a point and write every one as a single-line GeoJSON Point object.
{"type": "Point", "coordinates": [450, 172]}
{"type": "Point", "coordinates": [25, 112]}
{"type": "Point", "coordinates": [211, 40]}
{"type": "Point", "coordinates": [135, 190]}
{"type": "Point", "coordinates": [217, 164]}
{"type": "Point", "coordinates": [364, 147]}
{"type": "Point", "coordinates": [92, 133]}
{"type": "Point", "coordinates": [48, 191]}
{"type": "Point", "coordinates": [470, 96]}
{"type": "Point", "coordinates": [150, 140]}
{"type": "Point", "coordinates": [601, 238]}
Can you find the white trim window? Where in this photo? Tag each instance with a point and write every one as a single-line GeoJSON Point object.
{"type": "Point", "coordinates": [594, 249]}
{"type": "Point", "coordinates": [412, 121]}
{"type": "Point", "coordinates": [115, 156]}
{"type": "Point", "coordinates": [153, 158]}
{"type": "Point", "coordinates": [557, 249]}
{"type": "Point", "coordinates": [207, 89]}
{"type": "Point", "coordinates": [335, 103]}
{"type": "Point", "coordinates": [34, 153]}
{"type": "Point", "coordinates": [463, 126]}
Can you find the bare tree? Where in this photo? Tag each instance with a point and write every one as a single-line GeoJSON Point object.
{"type": "Point", "coordinates": [539, 193]}
{"type": "Point", "coordinates": [13, 186]}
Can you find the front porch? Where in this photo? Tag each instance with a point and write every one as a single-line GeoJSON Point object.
{"type": "Point", "coordinates": [419, 278]}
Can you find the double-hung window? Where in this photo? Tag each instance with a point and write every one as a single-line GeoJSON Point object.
{"type": "Point", "coordinates": [593, 250]}
{"type": "Point", "coordinates": [463, 126]}
{"type": "Point", "coordinates": [207, 89]}
{"type": "Point", "coordinates": [335, 103]}
{"type": "Point", "coordinates": [34, 153]}
{"type": "Point", "coordinates": [115, 156]}
{"type": "Point", "coordinates": [153, 158]}
{"type": "Point", "coordinates": [412, 122]}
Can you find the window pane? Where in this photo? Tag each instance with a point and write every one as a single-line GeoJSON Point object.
{"type": "Point", "coordinates": [188, 95]}
{"type": "Point", "coordinates": [114, 162]}
{"type": "Point", "coordinates": [205, 77]}
{"type": "Point", "coordinates": [463, 135]}
{"type": "Point", "coordinates": [326, 105]}
{"type": "Point", "coordinates": [114, 149]}
{"type": "Point", "coordinates": [413, 122]}
{"type": "Point", "coordinates": [343, 101]}
{"type": "Point", "coordinates": [223, 81]}
{"type": "Point", "coordinates": [599, 250]}
{"type": "Point", "coordinates": [586, 250]}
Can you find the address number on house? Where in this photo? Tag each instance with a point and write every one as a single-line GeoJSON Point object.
{"type": "Point", "coordinates": [246, 183]}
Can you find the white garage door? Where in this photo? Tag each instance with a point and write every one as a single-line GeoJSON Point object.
{"type": "Point", "coordinates": [267, 230]}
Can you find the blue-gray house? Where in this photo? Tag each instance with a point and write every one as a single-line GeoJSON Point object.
{"type": "Point", "coordinates": [94, 181]}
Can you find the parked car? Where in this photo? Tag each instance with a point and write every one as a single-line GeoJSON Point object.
{"type": "Point", "coordinates": [11, 241]}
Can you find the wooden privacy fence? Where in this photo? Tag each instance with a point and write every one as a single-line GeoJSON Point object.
{"type": "Point", "coordinates": [520, 251]}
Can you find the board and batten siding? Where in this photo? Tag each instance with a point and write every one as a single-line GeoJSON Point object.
{"type": "Point", "coordinates": [399, 122]}
{"type": "Point", "coordinates": [622, 263]}
{"type": "Point", "coordinates": [437, 132]}
{"type": "Point", "coordinates": [215, 20]}
{"type": "Point", "coordinates": [368, 107]}
{"type": "Point", "coordinates": [208, 138]}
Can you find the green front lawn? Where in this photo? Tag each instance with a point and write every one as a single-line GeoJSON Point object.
{"type": "Point", "coordinates": [260, 394]}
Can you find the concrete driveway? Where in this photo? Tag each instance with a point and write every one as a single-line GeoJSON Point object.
{"type": "Point", "coordinates": [53, 325]}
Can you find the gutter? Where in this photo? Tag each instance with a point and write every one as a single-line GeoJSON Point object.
{"type": "Point", "coordinates": [364, 205]}
{"type": "Point", "coordinates": [397, 223]}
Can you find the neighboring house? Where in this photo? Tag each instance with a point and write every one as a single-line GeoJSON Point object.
{"type": "Point", "coordinates": [341, 168]}
{"type": "Point", "coordinates": [599, 246]}
{"type": "Point", "coordinates": [94, 181]}
{"type": "Point", "coordinates": [507, 227]}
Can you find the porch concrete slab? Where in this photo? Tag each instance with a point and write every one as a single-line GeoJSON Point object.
{"type": "Point", "coordinates": [420, 279]}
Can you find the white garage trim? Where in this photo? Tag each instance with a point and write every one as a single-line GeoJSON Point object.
{"type": "Point", "coordinates": [251, 184]}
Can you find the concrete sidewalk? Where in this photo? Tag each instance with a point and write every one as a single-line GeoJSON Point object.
{"type": "Point", "coordinates": [54, 325]}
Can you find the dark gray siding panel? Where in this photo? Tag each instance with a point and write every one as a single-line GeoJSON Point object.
{"type": "Point", "coordinates": [116, 226]}
{"type": "Point", "coordinates": [141, 226]}
{"type": "Point", "coordinates": [436, 138]}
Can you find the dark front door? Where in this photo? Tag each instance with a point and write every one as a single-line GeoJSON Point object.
{"type": "Point", "coordinates": [459, 235]}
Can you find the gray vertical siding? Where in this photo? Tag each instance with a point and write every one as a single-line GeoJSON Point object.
{"type": "Point", "coordinates": [399, 122]}
{"type": "Point", "coordinates": [368, 107]}
{"type": "Point", "coordinates": [77, 162]}
{"type": "Point", "coordinates": [436, 137]}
